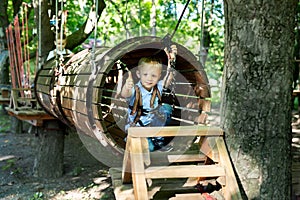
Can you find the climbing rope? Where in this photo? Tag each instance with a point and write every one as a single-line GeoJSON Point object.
{"type": "Point", "coordinates": [60, 36]}
{"type": "Point", "coordinates": [201, 33]}
{"type": "Point", "coordinates": [26, 50]}
{"type": "Point", "coordinates": [93, 56]}
{"type": "Point", "coordinates": [12, 60]}
{"type": "Point", "coordinates": [179, 20]}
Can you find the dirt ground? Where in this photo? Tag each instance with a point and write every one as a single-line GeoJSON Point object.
{"type": "Point", "coordinates": [84, 177]}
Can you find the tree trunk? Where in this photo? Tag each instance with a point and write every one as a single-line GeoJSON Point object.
{"type": "Point", "coordinates": [16, 125]}
{"type": "Point", "coordinates": [4, 66]}
{"type": "Point", "coordinates": [48, 162]}
{"type": "Point", "coordinates": [153, 18]}
{"type": "Point", "coordinates": [4, 59]}
{"type": "Point", "coordinates": [257, 88]}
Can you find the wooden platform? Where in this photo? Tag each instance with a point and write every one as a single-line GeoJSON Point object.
{"type": "Point", "coordinates": [162, 189]}
{"type": "Point", "coordinates": [32, 116]}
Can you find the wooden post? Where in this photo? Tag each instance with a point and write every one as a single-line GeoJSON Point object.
{"type": "Point", "coordinates": [137, 166]}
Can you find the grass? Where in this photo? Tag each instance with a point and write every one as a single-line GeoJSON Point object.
{"type": "Point", "coordinates": [4, 121]}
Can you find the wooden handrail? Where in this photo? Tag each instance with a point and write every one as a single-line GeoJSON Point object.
{"type": "Point", "coordinates": [175, 131]}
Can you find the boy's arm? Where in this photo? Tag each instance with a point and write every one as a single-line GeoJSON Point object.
{"type": "Point", "coordinates": [170, 72]}
{"type": "Point", "coordinates": [127, 88]}
{"type": "Point", "coordinates": [168, 78]}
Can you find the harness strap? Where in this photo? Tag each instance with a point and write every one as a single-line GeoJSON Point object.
{"type": "Point", "coordinates": [140, 108]}
{"type": "Point", "coordinates": [154, 94]}
{"type": "Point", "coordinates": [136, 100]}
{"type": "Point", "coordinates": [138, 103]}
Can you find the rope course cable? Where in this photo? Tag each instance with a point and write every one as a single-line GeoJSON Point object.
{"type": "Point", "coordinates": [19, 53]}
{"type": "Point", "coordinates": [179, 20]}
{"type": "Point", "coordinates": [201, 33]}
{"type": "Point", "coordinates": [26, 57]}
{"type": "Point", "coordinates": [167, 40]}
{"type": "Point", "coordinates": [40, 61]}
{"type": "Point", "coordinates": [95, 5]}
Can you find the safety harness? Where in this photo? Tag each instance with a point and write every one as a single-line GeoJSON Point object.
{"type": "Point", "coordinates": [137, 106]}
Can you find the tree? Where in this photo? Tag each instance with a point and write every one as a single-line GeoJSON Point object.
{"type": "Point", "coordinates": [75, 38]}
{"type": "Point", "coordinates": [78, 31]}
{"type": "Point", "coordinates": [257, 88]}
{"type": "Point", "coordinates": [49, 157]}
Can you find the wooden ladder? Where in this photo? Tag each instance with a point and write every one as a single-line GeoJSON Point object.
{"type": "Point", "coordinates": [137, 162]}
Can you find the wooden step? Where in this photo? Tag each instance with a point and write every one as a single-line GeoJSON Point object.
{"type": "Point", "coordinates": [157, 188]}
{"type": "Point", "coordinates": [183, 171]}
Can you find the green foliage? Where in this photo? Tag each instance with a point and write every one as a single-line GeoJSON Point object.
{"type": "Point", "coordinates": [77, 171]}
{"type": "Point", "coordinates": [11, 166]}
{"type": "Point", "coordinates": [4, 121]}
{"type": "Point", "coordinates": [121, 20]}
{"type": "Point", "coordinates": [78, 13]}
{"type": "Point", "coordinates": [37, 196]}
{"type": "Point", "coordinates": [86, 188]}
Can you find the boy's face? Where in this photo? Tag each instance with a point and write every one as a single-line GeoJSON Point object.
{"type": "Point", "coordinates": [149, 75]}
{"type": "Point", "coordinates": [61, 44]}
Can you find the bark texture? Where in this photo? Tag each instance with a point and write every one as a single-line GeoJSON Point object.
{"type": "Point", "coordinates": [257, 88]}
{"type": "Point", "coordinates": [49, 158]}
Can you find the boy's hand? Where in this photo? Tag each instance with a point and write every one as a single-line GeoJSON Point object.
{"type": "Point", "coordinates": [128, 85]}
{"type": "Point", "coordinates": [172, 53]}
{"type": "Point", "coordinates": [129, 82]}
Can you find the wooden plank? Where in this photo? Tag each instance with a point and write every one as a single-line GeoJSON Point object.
{"type": "Point", "coordinates": [44, 80]}
{"type": "Point", "coordinates": [158, 190]}
{"type": "Point", "coordinates": [76, 80]}
{"type": "Point", "coordinates": [126, 168]}
{"type": "Point", "coordinates": [46, 72]}
{"type": "Point", "coordinates": [186, 158]}
{"type": "Point", "coordinates": [145, 151]}
{"type": "Point", "coordinates": [175, 131]}
{"type": "Point", "coordinates": [209, 148]}
{"type": "Point", "coordinates": [137, 168]}
{"type": "Point", "coordinates": [43, 88]}
{"type": "Point", "coordinates": [76, 93]}
{"type": "Point", "coordinates": [161, 158]}
{"type": "Point", "coordinates": [34, 117]}
{"type": "Point", "coordinates": [35, 122]}
{"type": "Point", "coordinates": [29, 114]}
{"type": "Point", "coordinates": [183, 171]}
{"type": "Point", "coordinates": [231, 189]}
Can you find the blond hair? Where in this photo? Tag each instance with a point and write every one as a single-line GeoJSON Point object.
{"type": "Point", "coordinates": [154, 61]}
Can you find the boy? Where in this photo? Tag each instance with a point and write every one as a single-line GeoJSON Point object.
{"type": "Point", "coordinates": [60, 45]}
{"type": "Point", "coordinates": [145, 96]}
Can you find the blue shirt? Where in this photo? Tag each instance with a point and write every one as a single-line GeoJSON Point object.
{"type": "Point", "coordinates": [146, 98]}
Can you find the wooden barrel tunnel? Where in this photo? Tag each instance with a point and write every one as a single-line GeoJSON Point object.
{"type": "Point", "coordinates": [82, 93]}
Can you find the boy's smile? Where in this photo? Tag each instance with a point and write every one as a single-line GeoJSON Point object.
{"type": "Point", "coordinates": [149, 76]}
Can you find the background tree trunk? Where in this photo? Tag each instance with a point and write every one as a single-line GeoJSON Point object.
{"type": "Point", "coordinates": [257, 88]}
{"type": "Point", "coordinates": [49, 158]}
{"type": "Point", "coordinates": [4, 59]}
{"type": "Point", "coordinates": [153, 18]}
